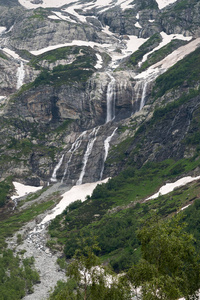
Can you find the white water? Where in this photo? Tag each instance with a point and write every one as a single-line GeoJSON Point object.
{"type": "Point", "coordinates": [57, 167]}
{"type": "Point", "coordinates": [106, 148]}
{"type": "Point", "coordinates": [144, 90]}
{"type": "Point", "coordinates": [92, 139]}
{"type": "Point", "coordinates": [73, 149]}
{"type": "Point", "coordinates": [20, 75]}
{"type": "Point", "coordinates": [110, 98]}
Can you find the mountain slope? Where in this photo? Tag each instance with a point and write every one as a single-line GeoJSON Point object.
{"type": "Point", "coordinates": [96, 90]}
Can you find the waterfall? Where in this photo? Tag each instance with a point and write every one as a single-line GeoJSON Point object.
{"type": "Point", "coordinates": [110, 98]}
{"type": "Point", "coordinates": [92, 139]}
{"type": "Point", "coordinates": [20, 75]}
{"type": "Point", "coordinates": [73, 149]}
{"type": "Point", "coordinates": [106, 148]}
{"type": "Point", "coordinates": [57, 167]}
{"type": "Point", "coordinates": [144, 90]}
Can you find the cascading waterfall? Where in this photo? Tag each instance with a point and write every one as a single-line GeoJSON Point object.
{"type": "Point", "coordinates": [110, 98]}
{"type": "Point", "coordinates": [144, 90]}
{"type": "Point", "coordinates": [20, 75]}
{"type": "Point", "coordinates": [92, 139]}
{"type": "Point", "coordinates": [57, 167]}
{"type": "Point", "coordinates": [73, 149]}
{"type": "Point", "coordinates": [106, 148]}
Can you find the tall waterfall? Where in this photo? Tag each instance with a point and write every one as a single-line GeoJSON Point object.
{"type": "Point", "coordinates": [20, 75]}
{"type": "Point", "coordinates": [92, 139]}
{"type": "Point", "coordinates": [144, 90]}
{"type": "Point", "coordinates": [73, 149]}
{"type": "Point", "coordinates": [110, 98]}
{"type": "Point", "coordinates": [106, 148]}
{"type": "Point", "coordinates": [57, 167]}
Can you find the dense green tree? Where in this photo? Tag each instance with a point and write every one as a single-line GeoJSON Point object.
{"type": "Point", "coordinates": [170, 266]}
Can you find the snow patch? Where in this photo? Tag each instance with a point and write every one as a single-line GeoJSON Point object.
{"type": "Point", "coordinates": [59, 15]}
{"type": "Point", "coordinates": [13, 54]}
{"type": "Point", "coordinates": [165, 40]}
{"type": "Point", "coordinates": [164, 3]}
{"type": "Point", "coordinates": [53, 17]}
{"type": "Point", "coordinates": [77, 192]}
{"type": "Point", "coordinates": [169, 187]}
{"type": "Point", "coordinates": [99, 61]}
{"type": "Point", "coordinates": [170, 60]}
{"type": "Point", "coordinates": [137, 24]}
{"type": "Point", "coordinates": [73, 43]}
{"type": "Point", "coordinates": [2, 29]}
{"type": "Point", "coordinates": [71, 10]}
{"type": "Point", "coordinates": [22, 189]}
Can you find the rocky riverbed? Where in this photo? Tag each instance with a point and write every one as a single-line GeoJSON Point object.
{"type": "Point", "coordinates": [34, 238]}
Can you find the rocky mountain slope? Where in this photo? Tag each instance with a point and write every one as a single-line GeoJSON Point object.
{"type": "Point", "coordinates": [91, 90]}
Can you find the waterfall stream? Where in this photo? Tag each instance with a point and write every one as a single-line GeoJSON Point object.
{"type": "Point", "coordinates": [92, 139]}
{"type": "Point", "coordinates": [20, 75]}
{"type": "Point", "coordinates": [75, 146]}
{"type": "Point", "coordinates": [110, 98]}
{"type": "Point", "coordinates": [57, 167]}
{"type": "Point", "coordinates": [144, 90]}
{"type": "Point", "coordinates": [106, 148]}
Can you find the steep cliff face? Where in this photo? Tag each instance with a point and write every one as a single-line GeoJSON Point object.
{"type": "Point", "coordinates": [72, 86]}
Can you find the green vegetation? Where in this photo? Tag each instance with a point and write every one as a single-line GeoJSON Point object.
{"type": "Point", "coordinates": [11, 224]}
{"type": "Point", "coordinates": [17, 276]}
{"type": "Point", "coordinates": [6, 188]}
{"type": "Point", "coordinates": [147, 5]}
{"type": "Point", "coordinates": [149, 45]}
{"type": "Point", "coordinates": [183, 5]}
{"type": "Point", "coordinates": [184, 72]}
{"type": "Point", "coordinates": [168, 269]}
{"type": "Point", "coordinates": [40, 13]}
{"type": "Point", "coordinates": [2, 55]}
{"type": "Point", "coordinates": [87, 280]}
{"type": "Point", "coordinates": [170, 265]}
{"type": "Point", "coordinates": [162, 53]}
{"type": "Point", "coordinates": [80, 69]}
{"type": "Point", "coordinates": [115, 211]}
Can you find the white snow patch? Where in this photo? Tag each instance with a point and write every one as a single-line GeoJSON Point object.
{"type": "Point", "coordinates": [151, 21]}
{"type": "Point", "coordinates": [53, 17]}
{"type": "Point", "coordinates": [169, 60]}
{"type": "Point", "coordinates": [2, 29]}
{"type": "Point", "coordinates": [2, 98]}
{"type": "Point", "coordinates": [137, 24]}
{"type": "Point", "coordinates": [164, 3]}
{"type": "Point", "coordinates": [46, 3]}
{"type": "Point", "coordinates": [137, 16]}
{"type": "Point", "coordinates": [185, 207]}
{"type": "Point", "coordinates": [22, 189]}
{"type": "Point", "coordinates": [105, 4]}
{"type": "Point", "coordinates": [169, 187]}
{"type": "Point", "coordinates": [11, 53]}
{"type": "Point", "coordinates": [73, 43]}
{"type": "Point", "coordinates": [165, 40]}
{"type": "Point", "coordinates": [125, 4]}
{"type": "Point", "coordinates": [99, 61]}
{"type": "Point", "coordinates": [71, 10]}
{"type": "Point", "coordinates": [134, 43]}
{"type": "Point", "coordinates": [77, 192]}
{"type": "Point", "coordinates": [62, 17]}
